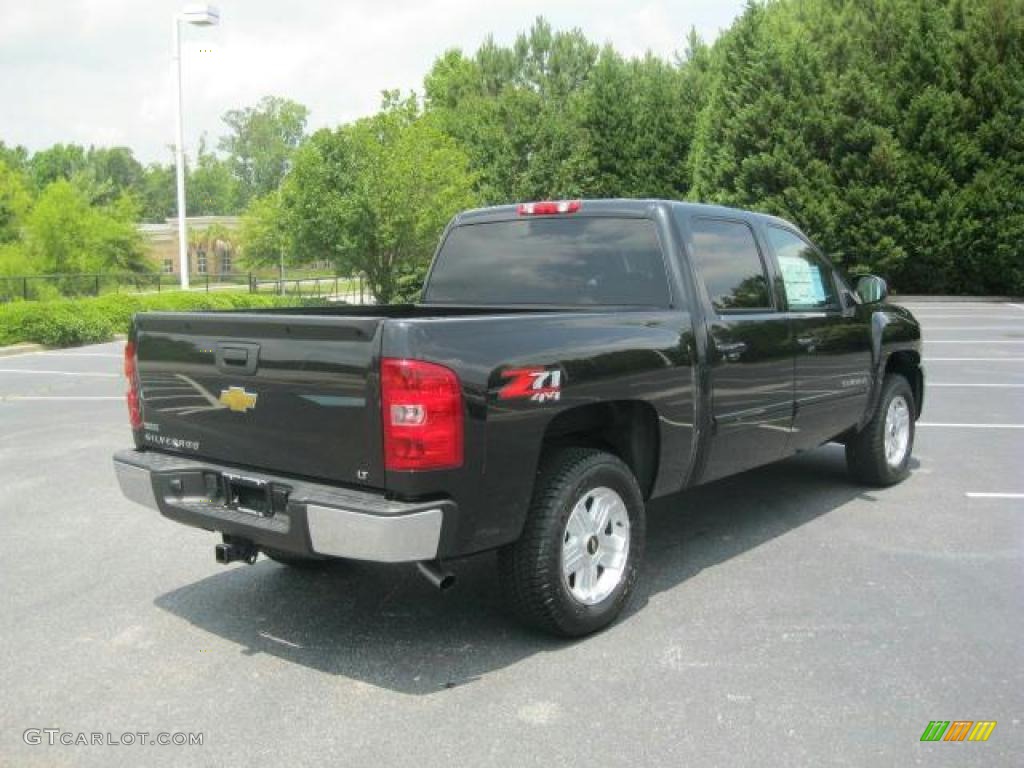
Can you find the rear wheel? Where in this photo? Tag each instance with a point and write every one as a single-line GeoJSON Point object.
{"type": "Point", "coordinates": [575, 566]}
{"type": "Point", "coordinates": [880, 453]}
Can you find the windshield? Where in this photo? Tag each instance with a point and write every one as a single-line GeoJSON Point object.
{"type": "Point", "coordinates": [574, 261]}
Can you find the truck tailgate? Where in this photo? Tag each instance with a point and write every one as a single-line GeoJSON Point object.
{"type": "Point", "coordinates": [296, 394]}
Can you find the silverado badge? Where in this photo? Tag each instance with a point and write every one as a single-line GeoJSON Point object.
{"type": "Point", "coordinates": [237, 399]}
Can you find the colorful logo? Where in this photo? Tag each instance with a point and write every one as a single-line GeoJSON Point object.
{"type": "Point", "coordinates": [958, 730]}
{"type": "Point", "coordinates": [537, 384]}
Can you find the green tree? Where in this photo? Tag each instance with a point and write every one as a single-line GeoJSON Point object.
{"type": "Point", "coordinates": [115, 171]}
{"type": "Point", "coordinates": [265, 239]}
{"type": "Point", "coordinates": [158, 196]}
{"type": "Point", "coordinates": [890, 130]}
{"type": "Point", "coordinates": [115, 239]}
{"type": "Point", "coordinates": [261, 141]}
{"type": "Point", "coordinates": [515, 112]}
{"type": "Point", "coordinates": [375, 195]}
{"type": "Point", "coordinates": [553, 115]}
{"type": "Point", "coordinates": [638, 117]}
{"type": "Point", "coordinates": [15, 201]}
{"type": "Point", "coordinates": [607, 117]}
{"type": "Point", "coordinates": [103, 173]}
{"type": "Point", "coordinates": [212, 188]}
{"type": "Point", "coordinates": [64, 233]}
{"type": "Point", "coordinates": [15, 157]}
{"type": "Point", "coordinates": [61, 161]}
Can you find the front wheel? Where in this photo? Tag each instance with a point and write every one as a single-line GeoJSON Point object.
{"type": "Point", "coordinates": [575, 566]}
{"type": "Point", "coordinates": [880, 453]}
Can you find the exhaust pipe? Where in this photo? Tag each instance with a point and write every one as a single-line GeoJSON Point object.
{"type": "Point", "coordinates": [234, 550]}
{"type": "Point", "coordinates": [436, 573]}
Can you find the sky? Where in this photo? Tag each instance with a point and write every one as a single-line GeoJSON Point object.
{"type": "Point", "coordinates": [100, 72]}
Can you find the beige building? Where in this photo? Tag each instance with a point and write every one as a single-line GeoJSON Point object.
{"type": "Point", "coordinates": [213, 245]}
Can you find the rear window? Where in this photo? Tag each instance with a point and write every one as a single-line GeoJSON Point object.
{"type": "Point", "coordinates": [563, 261]}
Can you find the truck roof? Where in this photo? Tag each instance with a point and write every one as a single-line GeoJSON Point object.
{"type": "Point", "coordinates": [618, 207]}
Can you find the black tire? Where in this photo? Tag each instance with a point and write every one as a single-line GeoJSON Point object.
{"type": "Point", "coordinates": [865, 451]}
{"type": "Point", "coordinates": [303, 562]}
{"type": "Point", "coordinates": [530, 569]}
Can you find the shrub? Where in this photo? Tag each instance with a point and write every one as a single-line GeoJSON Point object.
{"type": "Point", "coordinates": [68, 322]}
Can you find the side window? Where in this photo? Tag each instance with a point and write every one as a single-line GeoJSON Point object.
{"type": "Point", "coordinates": [728, 261]}
{"type": "Point", "coordinates": [807, 278]}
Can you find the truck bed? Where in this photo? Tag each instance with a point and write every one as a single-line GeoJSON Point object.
{"type": "Point", "coordinates": [290, 390]}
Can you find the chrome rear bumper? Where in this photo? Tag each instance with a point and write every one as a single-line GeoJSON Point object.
{"type": "Point", "coordinates": [311, 518]}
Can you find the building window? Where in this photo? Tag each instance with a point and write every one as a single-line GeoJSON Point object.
{"type": "Point", "coordinates": [168, 266]}
{"type": "Point", "coordinates": [225, 263]}
{"type": "Point", "coordinates": [201, 262]}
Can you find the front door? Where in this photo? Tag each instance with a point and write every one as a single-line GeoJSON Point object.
{"type": "Point", "coordinates": [831, 340]}
{"type": "Point", "coordinates": [749, 350]}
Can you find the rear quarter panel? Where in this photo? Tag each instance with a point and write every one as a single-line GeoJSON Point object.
{"type": "Point", "coordinates": [601, 356]}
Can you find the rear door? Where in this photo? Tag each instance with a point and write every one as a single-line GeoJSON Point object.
{"type": "Point", "coordinates": [831, 340]}
{"type": "Point", "coordinates": [295, 394]}
{"type": "Point", "coordinates": [750, 356]}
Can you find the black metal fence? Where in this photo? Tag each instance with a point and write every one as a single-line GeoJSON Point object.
{"type": "Point", "coordinates": [42, 287]}
{"type": "Point", "coordinates": [349, 289]}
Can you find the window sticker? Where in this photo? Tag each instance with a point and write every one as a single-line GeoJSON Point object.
{"type": "Point", "coordinates": [804, 284]}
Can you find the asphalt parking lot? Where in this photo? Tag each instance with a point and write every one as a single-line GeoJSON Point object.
{"type": "Point", "coordinates": [786, 617]}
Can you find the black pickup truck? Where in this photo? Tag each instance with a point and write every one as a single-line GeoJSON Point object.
{"type": "Point", "coordinates": [570, 360]}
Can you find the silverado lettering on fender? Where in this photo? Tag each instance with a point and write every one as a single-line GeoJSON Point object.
{"type": "Point", "coordinates": [569, 362]}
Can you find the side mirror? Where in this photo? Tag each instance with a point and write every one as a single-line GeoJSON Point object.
{"type": "Point", "coordinates": [872, 289]}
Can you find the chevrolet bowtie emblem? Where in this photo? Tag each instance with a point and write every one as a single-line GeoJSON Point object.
{"type": "Point", "coordinates": [237, 399]}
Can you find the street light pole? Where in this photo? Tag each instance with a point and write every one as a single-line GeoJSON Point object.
{"type": "Point", "coordinates": [179, 158]}
{"type": "Point", "coordinates": [200, 16]}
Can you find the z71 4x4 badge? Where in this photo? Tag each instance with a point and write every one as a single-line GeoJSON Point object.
{"type": "Point", "coordinates": [537, 384]}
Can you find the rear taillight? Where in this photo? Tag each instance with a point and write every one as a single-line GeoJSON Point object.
{"type": "Point", "coordinates": [549, 207]}
{"type": "Point", "coordinates": [421, 407]}
{"type": "Point", "coordinates": [132, 395]}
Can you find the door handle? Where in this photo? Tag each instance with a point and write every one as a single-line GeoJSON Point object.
{"type": "Point", "coordinates": [236, 356]}
{"type": "Point", "coordinates": [733, 351]}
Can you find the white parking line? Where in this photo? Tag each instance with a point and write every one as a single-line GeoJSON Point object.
{"type": "Point", "coordinates": [969, 426]}
{"type": "Point", "coordinates": [81, 354]}
{"type": "Point", "coordinates": [64, 373]}
{"type": "Point", "coordinates": [952, 306]}
{"type": "Point", "coordinates": [967, 384]}
{"type": "Point", "coordinates": [1017, 306]}
{"type": "Point", "coordinates": [965, 304]}
{"type": "Point", "coordinates": [7, 398]}
{"type": "Point", "coordinates": [974, 359]}
{"type": "Point", "coordinates": [974, 495]}
{"type": "Point", "coordinates": [947, 316]}
{"type": "Point", "coordinates": [61, 353]}
{"type": "Point", "coordinates": [282, 641]}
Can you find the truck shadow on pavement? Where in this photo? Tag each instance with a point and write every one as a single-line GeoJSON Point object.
{"type": "Point", "coordinates": [385, 626]}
